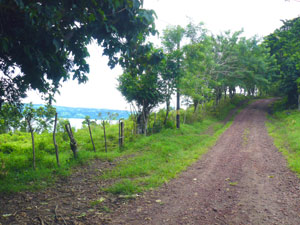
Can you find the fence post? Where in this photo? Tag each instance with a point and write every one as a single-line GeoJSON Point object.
{"type": "Point", "coordinates": [121, 133]}
{"type": "Point", "coordinates": [91, 136]}
{"type": "Point", "coordinates": [73, 143]}
{"type": "Point", "coordinates": [104, 136]}
{"type": "Point", "coordinates": [54, 141]}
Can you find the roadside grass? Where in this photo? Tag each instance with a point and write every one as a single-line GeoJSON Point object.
{"type": "Point", "coordinates": [284, 127]}
{"type": "Point", "coordinates": [26, 178]}
{"type": "Point", "coordinates": [147, 162]}
{"type": "Point", "coordinates": [161, 157]}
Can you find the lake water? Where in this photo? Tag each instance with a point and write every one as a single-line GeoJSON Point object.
{"type": "Point", "coordinates": [77, 123]}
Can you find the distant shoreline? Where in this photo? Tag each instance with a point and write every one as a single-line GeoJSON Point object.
{"type": "Point", "coordinates": [80, 113]}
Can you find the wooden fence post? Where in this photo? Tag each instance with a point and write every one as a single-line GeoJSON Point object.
{"type": "Point", "coordinates": [121, 133]}
{"type": "Point", "coordinates": [73, 142]}
{"type": "Point", "coordinates": [104, 136]}
{"type": "Point", "coordinates": [88, 121]}
{"type": "Point", "coordinates": [54, 141]}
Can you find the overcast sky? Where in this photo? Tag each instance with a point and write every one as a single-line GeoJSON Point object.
{"type": "Point", "coordinates": [256, 17]}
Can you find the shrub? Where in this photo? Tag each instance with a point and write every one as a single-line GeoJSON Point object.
{"type": "Point", "coordinates": [7, 148]}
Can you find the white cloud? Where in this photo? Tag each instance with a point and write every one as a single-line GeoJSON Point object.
{"type": "Point", "coordinates": [100, 90]}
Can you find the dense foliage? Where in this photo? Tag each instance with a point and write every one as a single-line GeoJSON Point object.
{"type": "Point", "coordinates": [140, 83]}
{"type": "Point", "coordinates": [200, 66]}
{"type": "Point", "coordinates": [284, 44]}
{"type": "Point", "coordinates": [13, 118]}
{"type": "Point", "coordinates": [44, 42]}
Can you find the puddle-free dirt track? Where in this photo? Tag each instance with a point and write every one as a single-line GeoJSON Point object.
{"type": "Point", "coordinates": [243, 179]}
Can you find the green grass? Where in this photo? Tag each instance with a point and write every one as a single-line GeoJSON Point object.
{"type": "Point", "coordinates": [97, 202]}
{"type": "Point", "coordinates": [163, 156]}
{"type": "Point", "coordinates": [45, 175]}
{"type": "Point", "coordinates": [284, 127]}
{"type": "Point", "coordinates": [150, 161]}
{"type": "Point", "coordinates": [16, 172]}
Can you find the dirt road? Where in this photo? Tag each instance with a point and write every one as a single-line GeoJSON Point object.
{"type": "Point", "coordinates": [242, 180]}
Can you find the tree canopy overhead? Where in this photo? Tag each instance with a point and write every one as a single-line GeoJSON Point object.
{"type": "Point", "coordinates": [284, 44]}
{"type": "Point", "coordinates": [44, 42]}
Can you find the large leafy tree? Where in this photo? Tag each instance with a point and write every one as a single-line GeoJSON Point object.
{"type": "Point", "coordinates": [198, 60]}
{"type": "Point", "coordinates": [226, 62]}
{"type": "Point", "coordinates": [44, 42]}
{"type": "Point", "coordinates": [170, 74]}
{"type": "Point", "coordinates": [256, 66]}
{"type": "Point", "coordinates": [196, 79]}
{"type": "Point", "coordinates": [284, 44]}
{"type": "Point", "coordinates": [218, 64]}
{"type": "Point", "coordinates": [171, 40]}
{"type": "Point", "coordinates": [141, 82]}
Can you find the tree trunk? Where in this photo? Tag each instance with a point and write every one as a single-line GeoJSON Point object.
{"type": "Point", "coordinates": [54, 141]}
{"type": "Point", "coordinates": [142, 121]}
{"type": "Point", "coordinates": [178, 95]}
{"type": "Point", "coordinates": [178, 110]}
{"type": "Point", "coordinates": [91, 135]}
{"type": "Point", "coordinates": [231, 92]}
{"type": "Point", "coordinates": [299, 102]}
{"type": "Point", "coordinates": [218, 96]}
{"type": "Point", "coordinates": [32, 140]}
{"type": "Point", "coordinates": [196, 109]}
{"type": "Point", "coordinates": [121, 134]}
{"type": "Point", "coordinates": [196, 103]}
{"type": "Point", "coordinates": [167, 112]}
{"type": "Point", "coordinates": [73, 143]}
{"type": "Point", "coordinates": [139, 124]}
{"type": "Point", "coordinates": [145, 122]}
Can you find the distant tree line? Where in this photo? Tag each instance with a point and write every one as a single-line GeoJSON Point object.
{"type": "Point", "coordinates": [44, 44]}
{"type": "Point", "coordinates": [13, 118]}
{"type": "Point", "coordinates": [199, 66]}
